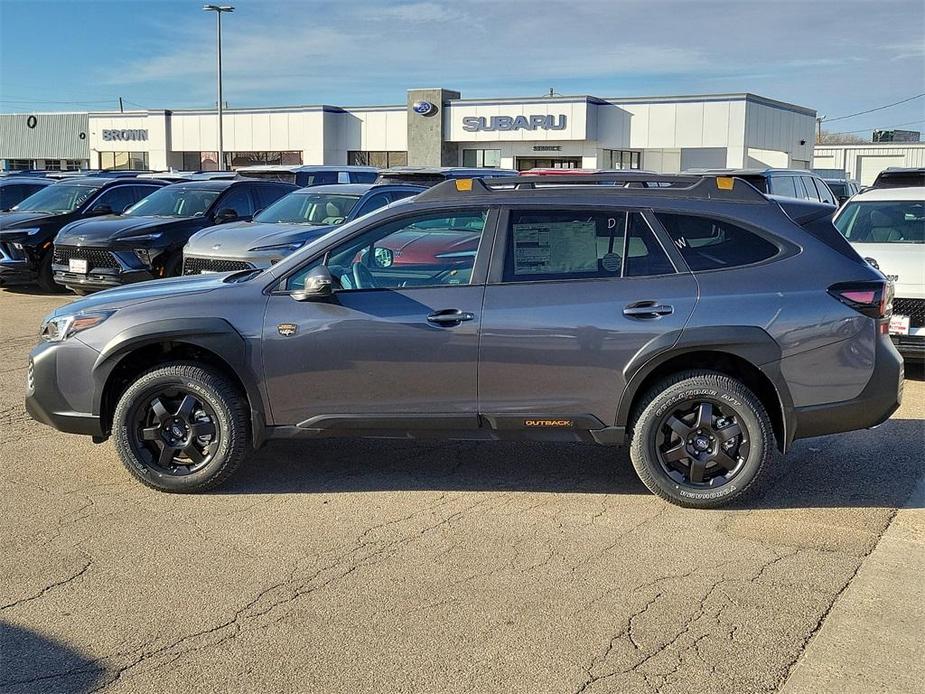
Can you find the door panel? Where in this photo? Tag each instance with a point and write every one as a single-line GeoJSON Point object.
{"type": "Point", "coordinates": [559, 348]}
{"type": "Point", "coordinates": [372, 352]}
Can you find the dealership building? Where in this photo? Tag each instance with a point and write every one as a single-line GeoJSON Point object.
{"type": "Point", "coordinates": [433, 127]}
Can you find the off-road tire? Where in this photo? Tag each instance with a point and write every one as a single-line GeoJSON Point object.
{"type": "Point", "coordinates": [231, 422]}
{"type": "Point", "coordinates": [683, 387]}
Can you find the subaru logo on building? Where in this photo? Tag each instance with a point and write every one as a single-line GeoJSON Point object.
{"type": "Point", "coordinates": [424, 108]}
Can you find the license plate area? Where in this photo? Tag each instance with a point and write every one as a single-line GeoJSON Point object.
{"type": "Point", "coordinates": [899, 325]}
{"type": "Point", "coordinates": [78, 266]}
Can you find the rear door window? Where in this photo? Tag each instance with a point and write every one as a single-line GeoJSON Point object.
{"type": "Point", "coordinates": [713, 244]}
{"type": "Point", "coordinates": [783, 185]}
{"type": "Point", "coordinates": [581, 244]}
{"type": "Point", "coordinates": [237, 199]}
{"type": "Point", "coordinates": [118, 198]}
{"type": "Point", "coordinates": [825, 194]}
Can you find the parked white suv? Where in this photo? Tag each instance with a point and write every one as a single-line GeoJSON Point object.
{"type": "Point", "coordinates": [887, 227]}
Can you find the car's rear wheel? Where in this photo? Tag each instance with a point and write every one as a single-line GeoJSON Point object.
{"type": "Point", "coordinates": [181, 428]}
{"type": "Point", "coordinates": [700, 439]}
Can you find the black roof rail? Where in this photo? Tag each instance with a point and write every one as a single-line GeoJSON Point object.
{"type": "Point", "coordinates": [699, 186]}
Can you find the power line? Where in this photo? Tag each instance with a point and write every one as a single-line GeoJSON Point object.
{"type": "Point", "coordinates": [864, 130]}
{"type": "Point", "coordinates": [879, 108]}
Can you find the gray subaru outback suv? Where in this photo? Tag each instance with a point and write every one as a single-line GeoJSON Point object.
{"type": "Point", "coordinates": [694, 318]}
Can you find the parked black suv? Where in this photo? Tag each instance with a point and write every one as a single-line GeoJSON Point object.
{"type": "Point", "coordinates": [146, 241]}
{"type": "Point", "coordinates": [700, 321]}
{"type": "Point", "coordinates": [15, 189]}
{"type": "Point", "coordinates": [28, 231]}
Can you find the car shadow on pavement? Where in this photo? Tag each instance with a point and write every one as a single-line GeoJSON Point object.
{"type": "Point", "coordinates": [857, 469]}
{"type": "Point", "coordinates": [36, 663]}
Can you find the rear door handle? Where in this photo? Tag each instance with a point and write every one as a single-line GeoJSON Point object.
{"type": "Point", "coordinates": [449, 316]}
{"type": "Point", "coordinates": [647, 309]}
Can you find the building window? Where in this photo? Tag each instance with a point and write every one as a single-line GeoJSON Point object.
{"type": "Point", "coordinates": [74, 164]}
{"type": "Point", "coordinates": [621, 159]}
{"type": "Point", "coordinates": [206, 161]}
{"type": "Point", "coordinates": [381, 160]}
{"type": "Point", "coordinates": [133, 161]}
{"type": "Point", "coordinates": [481, 158]}
{"type": "Point", "coordinates": [18, 164]}
{"type": "Point", "coordinates": [53, 165]}
{"type": "Point", "coordinates": [525, 164]}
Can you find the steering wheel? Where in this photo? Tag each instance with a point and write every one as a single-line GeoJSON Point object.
{"type": "Point", "coordinates": [363, 278]}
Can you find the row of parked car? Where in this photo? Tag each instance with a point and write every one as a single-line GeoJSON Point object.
{"type": "Point", "coordinates": [97, 231]}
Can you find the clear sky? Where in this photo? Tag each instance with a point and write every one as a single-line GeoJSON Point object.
{"type": "Point", "coordinates": [837, 56]}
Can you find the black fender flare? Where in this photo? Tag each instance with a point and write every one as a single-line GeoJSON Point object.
{"type": "Point", "coordinates": [749, 343]}
{"type": "Point", "coordinates": [215, 335]}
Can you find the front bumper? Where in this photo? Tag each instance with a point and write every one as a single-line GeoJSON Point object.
{"type": "Point", "coordinates": [202, 264]}
{"type": "Point", "coordinates": [106, 268]}
{"type": "Point", "coordinates": [911, 347]}
{"type": "Point", "coordinates": [16, 271]}
{"type": "Point", "coordinates": [58, 391]}
{"type": "Point", "coordinates": [880, 398]}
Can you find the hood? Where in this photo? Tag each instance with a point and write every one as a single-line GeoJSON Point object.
{"type": "Point", "coordinates": [13, 220]}
{"type": "Point", "coordinates": [120, 297]}
{"type": "Point", "coordinates": [234, 240]}
{"type": "Point", "coordinates": [422, 247]}
{"type": "Point", "coordinates": [99, 231]}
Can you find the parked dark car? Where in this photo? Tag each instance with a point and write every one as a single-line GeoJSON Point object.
{"type": "Point", "coordinates": [15, 189]}
{"type": "Point", "coordinates": [28, 231]}
{"type": "Point", "coordinates": [896, 177]}
{"type": "Point", "coordinates": [305, 176]}
{"type": "Point", "coordinates": [787, 183]}
{"type": "Point", "coordinates": [842, 189]}
{"type": "Point", "coordinates": [285, 226]}
{"type": "Point", "coordinates": [432, 175]}
{"type": "Point", "coordinates": [146, 241]}
{"type": "Point", "coordinates": [702, 322]}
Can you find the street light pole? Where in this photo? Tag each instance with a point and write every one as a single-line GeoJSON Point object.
{"type": "Point", "coordinates": [218, 10]}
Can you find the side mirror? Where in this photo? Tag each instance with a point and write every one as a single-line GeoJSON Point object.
{"type": "Point", "coordinates": [226, 215]}
{"type": "Point", "coordinates": [319, 284]}
{"type": "Point", "coordinates": [383, 257]}
{"type": "Point", "coordinates": [101, 209]}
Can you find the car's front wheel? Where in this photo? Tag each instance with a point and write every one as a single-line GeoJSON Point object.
{"type": "Point", "coordinates": [181, 428]}
{"type": "Point", "coordinates": [700, 439]}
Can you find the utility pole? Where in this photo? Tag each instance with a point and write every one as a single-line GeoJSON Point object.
{"type": "Point", "coordinates": [819, 130]}
{"type": "Point", "coordinates": [218, 10]}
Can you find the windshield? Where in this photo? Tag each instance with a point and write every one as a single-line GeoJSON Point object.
{"type": "Point", "coordinates": [895, 221]}
{"type": "Point", "coordinates": [174, 201]}
{"type": "Point", "coordinates": [309, 208]}
{"type": "Point", "coordinates": [56, 199]}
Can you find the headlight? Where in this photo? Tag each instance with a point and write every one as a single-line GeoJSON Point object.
{"type": "Point", "coordinates": [31, 231]}
{"type": "Point", "coordinates": [286, 247]}
{"type": "Point", "coordinates": [143, 237]}
{"type": "Point", "coordinates": [59, 328]}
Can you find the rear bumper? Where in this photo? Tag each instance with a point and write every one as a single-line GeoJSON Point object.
{"type": "Point", "coordinates": [880, 398]}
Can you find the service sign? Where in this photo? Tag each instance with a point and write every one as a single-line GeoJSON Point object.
{"type": "Point", "coordinates": [475, 124]}
{"type": "Point", "coordinates": [899, 325]}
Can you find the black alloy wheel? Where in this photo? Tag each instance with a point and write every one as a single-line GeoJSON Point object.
{"type": "Point", "coordinates": [174, 432]}
{"type": "Point", "coordinates": [701, 443]}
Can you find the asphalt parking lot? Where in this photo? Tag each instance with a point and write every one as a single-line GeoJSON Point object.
{"type": "Point", "coordinates": [371, 566]}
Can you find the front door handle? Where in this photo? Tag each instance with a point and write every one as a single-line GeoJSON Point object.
{"type": "Point", "coordinates": [449, 316]}
{"type": "Point", "coordinates": [647, 309]}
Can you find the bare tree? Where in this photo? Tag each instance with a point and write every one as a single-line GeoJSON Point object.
{"type": "Point", "coordinates": [829, 138]}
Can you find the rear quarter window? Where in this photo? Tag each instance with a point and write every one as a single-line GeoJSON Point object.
{"type": "Point", "coordinates": [713, 244]}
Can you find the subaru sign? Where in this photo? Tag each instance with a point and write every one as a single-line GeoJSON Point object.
{"type": "Point", "coordinates": [424, 108]}
{"type": "Point", "coordinates": [474, 124]}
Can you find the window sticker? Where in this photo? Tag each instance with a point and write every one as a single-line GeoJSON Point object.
{"type": "Point", "coordinates": [555, 247]}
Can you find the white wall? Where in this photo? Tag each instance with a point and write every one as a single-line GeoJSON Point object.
{"type": "Point", "coordinates": [155, 123]}
{"type": "Point", "coordinates": [864, 162]}
{"type": "Point", "coordinates": [772, 129]}
{"type": "Point", "coordinates": [368, 130]}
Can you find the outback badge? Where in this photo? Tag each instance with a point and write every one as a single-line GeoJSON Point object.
{"type": "Point", "coordinates": [287, 329]}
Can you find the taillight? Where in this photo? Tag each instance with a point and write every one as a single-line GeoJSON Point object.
{"type": "Point", "coordinates": [874, 299]}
